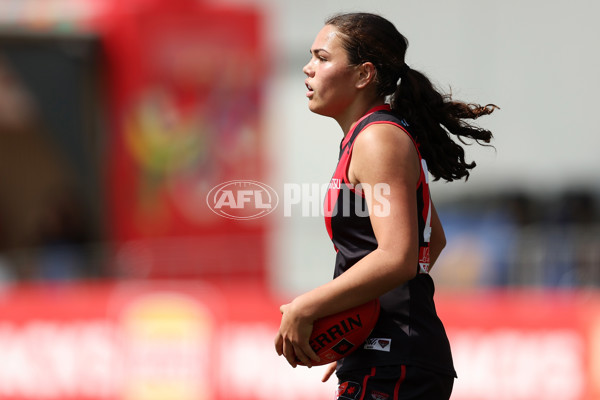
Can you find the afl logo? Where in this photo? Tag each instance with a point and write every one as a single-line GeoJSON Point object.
{"type": "Point", "coordinates": [242, 199]}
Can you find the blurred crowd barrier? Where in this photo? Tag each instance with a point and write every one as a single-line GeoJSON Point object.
{"type": "Point", "coordinates": [516, 239]}
{"type": "Point", "coordinates": [213, 340]}
{"type": "Point", "coordinates": [505, 242]}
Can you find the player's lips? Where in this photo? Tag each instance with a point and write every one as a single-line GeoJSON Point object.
{"type": "Point", "coordinates": [310, 89]}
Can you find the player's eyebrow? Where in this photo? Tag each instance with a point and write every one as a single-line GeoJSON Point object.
{"type": "Point", "coordinates": [317, 51]}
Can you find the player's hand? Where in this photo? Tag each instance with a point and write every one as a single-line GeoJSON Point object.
{"type": "Point", "coordinates": [292, 339]}
{"type": "Point", "coordinates": [329, 371]}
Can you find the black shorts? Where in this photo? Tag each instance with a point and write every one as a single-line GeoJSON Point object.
{"type": "Point", "coordinates": [394, 383]}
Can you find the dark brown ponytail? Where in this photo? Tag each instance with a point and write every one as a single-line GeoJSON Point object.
{"type": "Point", "coordinates": [433, 116]}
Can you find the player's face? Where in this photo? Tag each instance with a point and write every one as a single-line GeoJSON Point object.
{"type": "Point", "coordinates": [330, 81]}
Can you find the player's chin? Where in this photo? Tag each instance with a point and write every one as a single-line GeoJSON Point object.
{"type": "Point", "coordinates": [317, 108]}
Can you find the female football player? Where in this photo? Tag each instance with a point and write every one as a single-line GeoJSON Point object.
{"type": "Point", "coordinates": [397, 130]}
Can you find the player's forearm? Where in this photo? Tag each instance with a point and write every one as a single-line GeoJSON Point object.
{"type": "Point", "coordinates": [377, 273]}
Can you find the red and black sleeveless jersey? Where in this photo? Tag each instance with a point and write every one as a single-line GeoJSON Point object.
{"type": "Point", "coordinates": [408, 330]}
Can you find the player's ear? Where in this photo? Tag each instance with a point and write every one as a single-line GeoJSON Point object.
{"type": "Point", "coordinates": [366, 74]}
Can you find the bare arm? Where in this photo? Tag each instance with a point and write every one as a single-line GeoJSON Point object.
{"type": "Point", "coordinates": [382, 155]}
{"type": "Point", "coordinates": [438, 238]}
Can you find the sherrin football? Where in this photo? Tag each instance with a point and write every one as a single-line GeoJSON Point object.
{"type": "Point", "coordinates": [335, 336]}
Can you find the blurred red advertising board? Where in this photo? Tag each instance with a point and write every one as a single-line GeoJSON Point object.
{"type": "Point", "coordinates": [186, 89]}
{"type": "Point", "coordinates": [525, 344]}
{"type": "Point", "coordinates": [214, 340]}
{"type": "Point", "coordinates": [183, 84]}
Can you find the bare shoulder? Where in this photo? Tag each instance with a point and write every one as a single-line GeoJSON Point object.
{"type": "Point", "coordinates": [384, 138]}
{"type": "Point", "coordinates": [384, 149]}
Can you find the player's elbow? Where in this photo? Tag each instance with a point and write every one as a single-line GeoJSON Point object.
{"type": "Point", "coordinates": [405, 266]}
{"type": "Point", "coordinates": [399, 265]}
{"type": "Point", "coordinates": [438, 237]}
{"type": "Point", "coordinates": [442, 241]}
{"type": "Point", "coordinates": [410, 273]}
{"type": "Point", "coordinates": [436, 245]}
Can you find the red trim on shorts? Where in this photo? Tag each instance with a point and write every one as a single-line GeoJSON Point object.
{"type": "Point", "coordinates": [402, 376]}
{"type": "Point", "coordinates": [364, 383]}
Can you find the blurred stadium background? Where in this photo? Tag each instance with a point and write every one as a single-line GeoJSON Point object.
{"type": "Point", "coordinates": [117, 117]}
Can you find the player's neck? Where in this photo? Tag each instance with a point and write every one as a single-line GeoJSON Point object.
{"type": "Point", "coordinates": [354, 113]}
